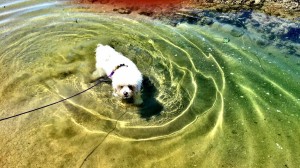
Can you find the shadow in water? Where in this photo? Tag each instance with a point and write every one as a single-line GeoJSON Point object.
{"type": "Point", "coordinates": [151, 107]}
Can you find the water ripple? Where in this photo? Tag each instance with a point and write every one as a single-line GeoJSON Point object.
{"type": "Point", "coordinates": [208, 100]}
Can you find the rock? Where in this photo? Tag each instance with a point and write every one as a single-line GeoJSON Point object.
{"type": "Point", "coordinates": [230, 19]}
{"type": "Point", "coordinates": [262, 43]}
{"type": "Point", "coordinates": [205, 21]}
{"type": "Point", "coordinates": [293, 34]}
{"type": "Point", "coordinates": [123, 10]}
{"type": "Point", "coordinates": [146, 13]}
{"type": "Point", "coordinates": [236, 32]}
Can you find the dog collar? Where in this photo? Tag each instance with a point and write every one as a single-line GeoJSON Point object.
{"type": "Point", "coordinates": [116, 68]}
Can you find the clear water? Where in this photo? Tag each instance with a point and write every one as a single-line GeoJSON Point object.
{"type": "Point", "coordinates": [213, 98]}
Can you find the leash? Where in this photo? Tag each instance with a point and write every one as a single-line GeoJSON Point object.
{"type": "Point", "coordinates": [100, 142]}
{"type": "Point", "coordinates": [51, 104]}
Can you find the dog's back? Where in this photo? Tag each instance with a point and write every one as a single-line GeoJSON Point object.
{"type": "Point", "coordinates": [105, 53]}
{"type": "Point", "coordinates": [108, 58]}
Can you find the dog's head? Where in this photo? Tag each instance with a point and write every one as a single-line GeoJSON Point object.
{"type": "Point", "coordinates": [127, 83]}
{"type": "Point", "coordinates": [125, 91]}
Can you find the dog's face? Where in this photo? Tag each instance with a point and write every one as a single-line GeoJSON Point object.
{"type": "Point", "coordinates": [125, 91]}
{"type": "Point", "coordinates": [127, 82]}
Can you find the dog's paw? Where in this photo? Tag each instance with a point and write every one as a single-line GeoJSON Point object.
{"type": "Point", "coordinates": [95, 75]}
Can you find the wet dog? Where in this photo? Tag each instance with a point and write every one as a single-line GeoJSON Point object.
{"type": "Point", "coordinates": [125, 76]}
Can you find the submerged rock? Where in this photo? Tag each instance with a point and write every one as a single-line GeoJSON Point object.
{"type": "Point", "coordinates": [230, 20]}
{"type": "Point", "coordinates": [236, 32]}
{"type": "Point", "coordinates": [206, 21]}
{"type": "Point", "coordinates": [293, 34]}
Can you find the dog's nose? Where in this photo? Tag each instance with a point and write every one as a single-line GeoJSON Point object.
{"type": "Point", "coordinates": [125, 94]}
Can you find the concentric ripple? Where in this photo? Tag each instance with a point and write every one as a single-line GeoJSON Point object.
{"type": "Point", "coordinates": [209, 98]}
{"type": "Point", "coordinates": [171, 84]}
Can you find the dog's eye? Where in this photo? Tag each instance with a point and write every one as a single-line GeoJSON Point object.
{"type": "Point", "coordinates": [121, 86]}
{"type": "Point", "coordinates": [130, 87]}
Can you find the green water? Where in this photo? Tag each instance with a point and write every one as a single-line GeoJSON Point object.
{"type": "Point", "coordinates": [211, 99]}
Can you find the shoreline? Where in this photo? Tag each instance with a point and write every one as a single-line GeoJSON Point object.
{"type": "Point", "coordinates": [288, 9]}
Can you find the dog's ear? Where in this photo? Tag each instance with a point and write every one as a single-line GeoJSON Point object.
{"type": "Point", "coordinates": [136, 88]}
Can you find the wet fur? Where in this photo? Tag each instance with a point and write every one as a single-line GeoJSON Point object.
{"type": "Point", "coordinates": [126, 79]}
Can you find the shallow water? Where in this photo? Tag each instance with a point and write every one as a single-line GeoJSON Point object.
{"type": "Point", "coordinates": [213, 98]}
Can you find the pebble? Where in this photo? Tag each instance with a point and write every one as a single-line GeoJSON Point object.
{"type": "Point", "coordinates": [226, 40]}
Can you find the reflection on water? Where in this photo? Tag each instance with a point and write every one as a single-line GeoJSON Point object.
{"type": "Point", "coordinates": [214, 97]}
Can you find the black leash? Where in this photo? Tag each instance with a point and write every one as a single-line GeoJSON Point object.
{"type": "Point", "coordinates": [30, 111]}
{"type": "Point", "coordinates": [100, 142]}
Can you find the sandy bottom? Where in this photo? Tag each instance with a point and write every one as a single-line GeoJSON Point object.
{"type": "Point", "coordinates": [211, 99]}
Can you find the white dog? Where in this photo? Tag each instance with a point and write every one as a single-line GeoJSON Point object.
{"type": "Point", "coordinates": [125, 76]}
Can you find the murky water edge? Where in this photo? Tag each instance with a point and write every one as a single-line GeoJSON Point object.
{"type": "Point", "coordinates": [213, 97]}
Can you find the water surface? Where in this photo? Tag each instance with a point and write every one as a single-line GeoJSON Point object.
{"type": "Point", "coordinates": [213, 97]}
